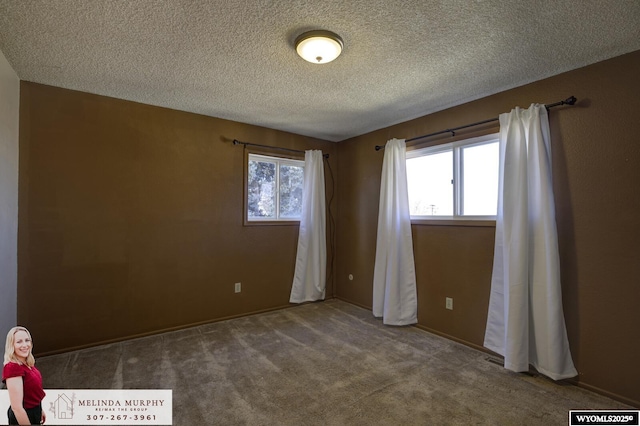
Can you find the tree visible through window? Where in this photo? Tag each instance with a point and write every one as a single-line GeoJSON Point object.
{"type": "Point", "coordinates": [274, 188]}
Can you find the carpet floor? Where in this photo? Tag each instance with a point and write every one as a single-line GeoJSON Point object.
{"type": "Point", "coordinates": [328, 363]}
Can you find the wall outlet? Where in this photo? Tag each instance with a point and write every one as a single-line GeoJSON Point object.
{"type": "Point", "coordinates": [448, 303]}
{"type": "Point", "coordinates": [238, 287]}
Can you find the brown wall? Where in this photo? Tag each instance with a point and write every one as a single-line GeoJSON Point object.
{"type": "Point", "coordinates": [596, 166]}
{"type": "Point", "coordinates": [131, 220]}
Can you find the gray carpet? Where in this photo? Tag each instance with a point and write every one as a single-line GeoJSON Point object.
{"type": "Point", "coordinates": [328, 363]}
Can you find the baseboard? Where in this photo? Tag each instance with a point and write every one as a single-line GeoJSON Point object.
{"type": "Point", "coordinates": [160, 331]}
{"type": "Point", "coordinates": [359, 305]}
{"type": "Point", "coordinates": [574, 382]}
{"type": "Point", "coordinates": [599, 391]}
{"type": "Point", "coordinates": [457, 340]}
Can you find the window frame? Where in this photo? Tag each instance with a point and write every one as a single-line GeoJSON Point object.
{"type": "Point", "coordinates": [455, 147]}
{"type": "Point", "coordinates": [278, 159]}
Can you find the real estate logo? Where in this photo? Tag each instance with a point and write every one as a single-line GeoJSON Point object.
{"type": "Point", "coordinates": [62, 406]}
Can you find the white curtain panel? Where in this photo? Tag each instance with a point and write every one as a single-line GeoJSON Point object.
{"type": "Point", "coordinates": [526, 323]}
{"type": "Point", "coordinates": [309, 280]}
{"type": "Point", "coordinates": [394, 277]}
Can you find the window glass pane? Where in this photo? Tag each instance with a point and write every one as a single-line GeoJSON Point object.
{"type": "Point", "coordinates": [480, 180]}
{"type": "Point", "coordinates": [291, 179]}
{"type": "Point", "coordinates": [261, 189]}
{"type": "Point", "coordinates": [430, 184]}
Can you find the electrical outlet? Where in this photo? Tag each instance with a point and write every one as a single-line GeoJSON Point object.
{"type": "Point", "coordinates": [448, 303]}
{"type": "Point", "coordinates": [238, 287]}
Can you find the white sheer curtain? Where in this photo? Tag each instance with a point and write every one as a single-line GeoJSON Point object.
{"type": "Point", "coordinates": [394, 277]}
{"type": "Point", "coordinates": [526, 321]}
{"type": "Point", "coordinates": [309, 281]}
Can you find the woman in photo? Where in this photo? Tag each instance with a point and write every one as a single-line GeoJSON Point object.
{"type": "Point", "coordinates": [24, 381]}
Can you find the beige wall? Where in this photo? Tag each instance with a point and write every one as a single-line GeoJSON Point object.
{"type": "Point", "coordinates": [131, 220]}
{"type": "Point", "coordinates": [596, 166]}
{"type": "Point", "coordinates": [9, 111]}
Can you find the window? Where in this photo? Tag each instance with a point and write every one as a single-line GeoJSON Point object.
{"type": "Point", "coordinates": [274, 188]}
{"type": "Point", "coordinates": [454, 181]}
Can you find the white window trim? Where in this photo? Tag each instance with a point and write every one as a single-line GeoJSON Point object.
{"type": "Point", "coordinates": [457, 175]}
{"type": "Point", "coordinates": [279, 161]}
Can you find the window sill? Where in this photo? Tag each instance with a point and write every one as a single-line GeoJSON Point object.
{"type": "Point", "coordinates": [271, 223]}
{"type": "Point", "coordinates": [484, 223]}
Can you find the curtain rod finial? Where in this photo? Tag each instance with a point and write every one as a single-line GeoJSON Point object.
{"type": "Point", "coordinates": [378, 147]}
{"type": "Point", "coordinates": [571, 100]}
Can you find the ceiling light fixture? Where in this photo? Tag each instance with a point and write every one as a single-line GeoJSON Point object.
{"type": "Point", "coordinates": [319, 46]}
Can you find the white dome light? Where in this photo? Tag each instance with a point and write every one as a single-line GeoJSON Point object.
{"type": "Point", "coordinates": [319, 47]}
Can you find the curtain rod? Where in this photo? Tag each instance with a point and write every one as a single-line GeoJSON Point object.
{"type": "Point", "coordinates": [569, 101]}
{"type": "Point", "coordinates": [237, 142]}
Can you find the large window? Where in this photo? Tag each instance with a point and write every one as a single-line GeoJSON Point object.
{"type": "Point", "coordinates": [274, 188]}
{"type": "Point", "coordinates": [454, 181]}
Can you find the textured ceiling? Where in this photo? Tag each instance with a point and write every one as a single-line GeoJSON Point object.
{"type": "Point", "coordinates": [236, 60]}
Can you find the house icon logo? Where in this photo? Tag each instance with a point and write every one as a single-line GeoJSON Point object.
{"type": "Point", "coordinates": [62, 407]}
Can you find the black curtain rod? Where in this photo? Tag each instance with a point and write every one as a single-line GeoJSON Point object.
{"type": "Point", "coordinates": [237, 142]}
{"type": "Point", "coordinates": [569, 101]}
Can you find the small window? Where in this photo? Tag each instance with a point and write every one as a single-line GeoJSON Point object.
{"type": "Point", "coordinates": [454, 181]}
{"type": "Point", "coordinates": [274, 188]}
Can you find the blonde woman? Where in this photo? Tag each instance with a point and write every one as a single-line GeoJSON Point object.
{"type": "Point", "coordinates": [24, 381]}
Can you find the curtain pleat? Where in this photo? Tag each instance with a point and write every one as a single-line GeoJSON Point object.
{"type": "Point", "coordinates": [394, 278]}
{"type": "Point", "coordinates": [525, 322]}
{"type": "Point", "coordinates": [309, 280]}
